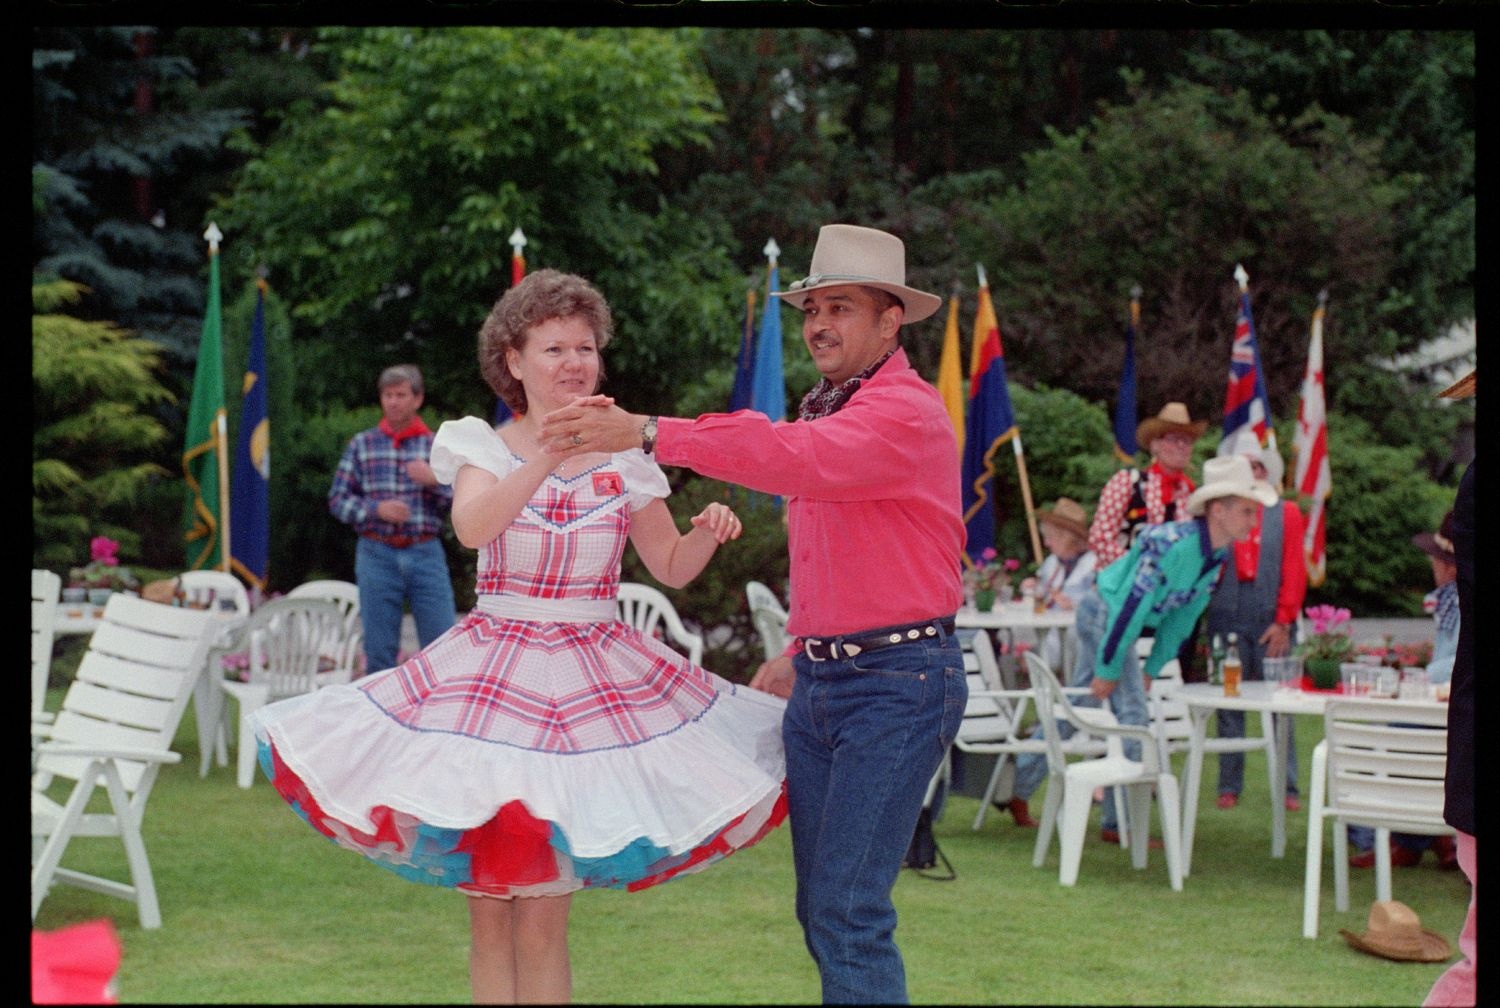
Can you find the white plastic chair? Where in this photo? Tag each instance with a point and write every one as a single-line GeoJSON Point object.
{"type": "Point", "coordinates": [286, 638]}
{"type": "Point", "coordinates": [1380, 764]}
{"type": "Point", "coordinates": [652, 613]}
{"type": "Point", "coordinates": [769, 617]}
{"type": "Point", "coordinates": [46, 590]}
{"type": "Point", "coordinates": [346, 649]}
{"type": "Point", "coordinates": [115, 731]}
{"type": "Point", "coordinates": [1079, 779]}
{"type": "Point", "coordinates": [223, 592]}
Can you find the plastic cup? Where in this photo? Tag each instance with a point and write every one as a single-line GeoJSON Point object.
{"type": "Point", "coordinates": [1385, 683]}
{"type": "Point", "coordinates": [1356, 678]}
{"type": "Point", "coordinates": [1285, 672]}
{"type": "Point", "coordinates": [1414, 684]}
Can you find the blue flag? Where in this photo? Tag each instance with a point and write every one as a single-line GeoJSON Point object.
{"type": "Point", "coordinates": [744, 368]}
{"type": "Point", "coordinates": [250, 488]}
{"type": "Point", "coordinates": [1126, 447]}
{"type": "Point", "coordinates": [991, 422]}
{"type": "Point", "coordinates": [768, 389]}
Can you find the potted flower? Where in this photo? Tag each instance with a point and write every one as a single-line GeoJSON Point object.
{"type": "Point", "coordinates": [1327, 646]}
{"type": "Point", "coordinates": [988, 579]}
{"type": "Point", "coordinates": [103, 573]}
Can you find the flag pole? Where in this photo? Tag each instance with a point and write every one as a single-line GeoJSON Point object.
{"type": "Point", "coordinates": [221, 434]}
{"type": "Point", "coordinates": [1036, 541]}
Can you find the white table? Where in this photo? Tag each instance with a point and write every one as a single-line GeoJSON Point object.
{"type": "Point", "coordinates": [1203, 699]}
{"type": "Point", "coordinates": [1021, 615]}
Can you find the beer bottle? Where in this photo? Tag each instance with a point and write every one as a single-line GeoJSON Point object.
{"type": "Point", "coordinates": [1232, 668]}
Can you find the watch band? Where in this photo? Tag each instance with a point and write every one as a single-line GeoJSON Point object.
{"type": "Point", "coordinates": [648, 435]}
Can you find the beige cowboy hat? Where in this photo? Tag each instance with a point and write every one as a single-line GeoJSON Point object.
{"type": "Point", "coordinates": [1173, 417]}
{"type": "Point", "coordinates": [1229, 476]}
{"type": "Point", "coordinates": [849, 254]}
{"type": "Point", "coordinates": [1068, 514]}
{"type": "Point", "coordinates": [1247, 444]}
{"type": "Point", "coordinates": [1395, 932]}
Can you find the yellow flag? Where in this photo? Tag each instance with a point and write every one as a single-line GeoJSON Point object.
{"type": "Point", "coordinates": [950, 383]}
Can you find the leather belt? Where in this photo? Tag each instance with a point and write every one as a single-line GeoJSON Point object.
{"type": "Point", "coordinates": [398, 541]}
{"type": "Point", "coordinates": [827, 648]}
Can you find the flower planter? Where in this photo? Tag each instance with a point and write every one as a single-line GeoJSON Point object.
{"type": "Point", "coordinates": [984, 601]}
{"type": "Point", "coordinates": [1324, 672]}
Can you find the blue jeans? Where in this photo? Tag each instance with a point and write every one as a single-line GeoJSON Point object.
{"type": "Point", "coordinates": [388, 577]}
{"type": "Point", "coordinates": [863, 737]}
{"type": "Point", "coordinates": [1128, 701]}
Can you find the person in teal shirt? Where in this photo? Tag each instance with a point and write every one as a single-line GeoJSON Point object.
{"type": "Point", "coordinates": [1163, 584]}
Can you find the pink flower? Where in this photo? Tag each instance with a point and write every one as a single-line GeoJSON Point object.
{"type": "Point", "coordinates": [988, 553]}
{"type": "Point", "coordinates": [1012, 564]}
{"type": "Point", "coordinates": [102, 549]}
{"type": "Point", "coordinates": [1326, 618]}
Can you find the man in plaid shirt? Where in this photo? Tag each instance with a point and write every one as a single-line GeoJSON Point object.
{"type": "Point", "coordinates": [385, 489]}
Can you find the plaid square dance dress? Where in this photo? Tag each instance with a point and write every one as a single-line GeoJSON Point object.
{"type": "Point", "coordinates": [540, 746]}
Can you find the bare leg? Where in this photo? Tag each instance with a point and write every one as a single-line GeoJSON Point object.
{"type": "Point", "coordinates": [518, 951]}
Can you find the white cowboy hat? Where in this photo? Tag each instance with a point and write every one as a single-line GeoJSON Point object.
{"type": "Point", "coordinates": [1229, 477]}
{"type": "Point", "coordinates": [1247, 444]}
{"type": "Point", "coordinates": [849, 254]}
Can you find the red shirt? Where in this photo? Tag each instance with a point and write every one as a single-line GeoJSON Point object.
{"type": "Point", "coordinates": [874, 522]}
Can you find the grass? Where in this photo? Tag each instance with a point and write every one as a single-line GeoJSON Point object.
{"type": "Point", "coordinates": [259, 909]}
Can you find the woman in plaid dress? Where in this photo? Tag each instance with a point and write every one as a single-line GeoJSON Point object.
{"type": "Point", "coordinates": [540, 746]}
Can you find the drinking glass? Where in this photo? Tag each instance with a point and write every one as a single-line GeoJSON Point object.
{"type": "Point", "coordinates": [1414, 684]}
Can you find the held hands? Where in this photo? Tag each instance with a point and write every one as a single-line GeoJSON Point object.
{"type": "Point", "coordinates": [719, 521]}
{"type": "Point", "coordinates": [589, 424]}
{"type": "Point", "coordinates": [775, 677]}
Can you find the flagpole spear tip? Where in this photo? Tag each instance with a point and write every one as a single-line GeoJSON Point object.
{"type": "Point", "coordinates": [1135, 293]}
{"type": "Point", "coordinates": [1242, 277]}
{"type": "Point", "coordinates": [517, 239]}
{"type": "Point", "coordinates": [213, 236]}
{"type": "Point", "coordinates": [772, 251]}
{"type": "Point", "coordinates": [979, 267]}
{"type": "Point", "coordinates": [1322, 297]}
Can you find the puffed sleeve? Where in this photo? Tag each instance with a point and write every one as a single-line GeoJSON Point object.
{"type": "Point", "coordinates": [470, 441]}
{"type": "Point", "coordinates": [644, 480]}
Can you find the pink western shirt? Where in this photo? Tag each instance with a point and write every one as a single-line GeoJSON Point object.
{"type": "Point", "coordinates": [874, 526]}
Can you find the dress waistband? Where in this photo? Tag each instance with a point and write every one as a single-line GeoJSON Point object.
{"type": "Point", "coordinates": [547, 610]}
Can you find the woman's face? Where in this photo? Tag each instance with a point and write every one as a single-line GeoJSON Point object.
{"type": "Point", "coordinates": [559, 363]}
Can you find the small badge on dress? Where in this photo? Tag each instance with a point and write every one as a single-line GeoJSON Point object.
{"type": "Point", "coordinates": [608, 484]}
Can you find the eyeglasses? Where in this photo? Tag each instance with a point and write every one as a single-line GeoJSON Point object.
{"type": "Point", "coordinates": [1178, 439]}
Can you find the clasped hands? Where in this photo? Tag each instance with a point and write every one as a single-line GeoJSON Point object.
{"type": "Point", "coordinates": [589, 424]}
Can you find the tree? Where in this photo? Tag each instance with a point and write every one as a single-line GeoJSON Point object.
{"type": "Point", "coordinates": [92, 441]}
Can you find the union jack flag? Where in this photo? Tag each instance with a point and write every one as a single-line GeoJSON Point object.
{"type": "Point", "coordinates": [1246, 405]}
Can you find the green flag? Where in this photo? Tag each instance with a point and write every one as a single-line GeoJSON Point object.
{"type": "Point", "coordinates": [203, 454]}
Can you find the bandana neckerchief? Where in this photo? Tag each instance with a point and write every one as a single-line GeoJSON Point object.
{"type": "Point", "coordinates": [1174, 486]}
{"type": "Point", "coordinates": [413, 429]}
{"type": "Point", "coordinates": [825, 398]}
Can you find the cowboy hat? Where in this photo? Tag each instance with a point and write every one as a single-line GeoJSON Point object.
{"type": "Point", "coordinates": [849, 254]}
{"type": "Point", "coordinates": [1229, 476]}
{"type": "Point", "coordinates": [1395, 932]}
{"type": "Point", "coordinates": [1067, 514]}
{"type": "Point", "coordinates": [1247, 444]}
{"type": "Point", "coordinates": [1439, 544]}
{"type": "Point", "coordinates": [1173, 417]}
{"type": "Point", "coordinates": [1461, 389]}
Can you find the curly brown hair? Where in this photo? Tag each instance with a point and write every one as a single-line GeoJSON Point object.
{"type": "Point", "coordinates": [540, 297]}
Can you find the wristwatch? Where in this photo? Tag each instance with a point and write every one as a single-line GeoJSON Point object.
{"type": "Point", "coordinates": [648, 435]}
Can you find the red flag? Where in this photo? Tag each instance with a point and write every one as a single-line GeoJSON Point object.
{"type": "Point", "coordinates": [1313, 479]}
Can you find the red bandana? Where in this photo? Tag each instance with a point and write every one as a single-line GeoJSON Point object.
{"type": "Point", "coordinates": [1247, 553]}
{"type": "Point", "coordinates": [1173, 485]}
{"type": "Point", "coordinates": [413, 429]}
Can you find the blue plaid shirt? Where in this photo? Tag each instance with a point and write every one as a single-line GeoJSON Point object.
{"type": "Point", "coordinates": [373, 469]}
{"type": "Point", "coordinates": [1445, 613]}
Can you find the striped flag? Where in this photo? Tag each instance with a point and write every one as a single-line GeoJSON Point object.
{"type": "Point", "coordinates": [744, 367]}
{"type": "Point", "coordinates": [768, 389]}
{"type": "Point", "coordinates": [1126, 447]}
{"type": "Point", "coordinates": [250, 490]}
{"type": "Point", "coordinates": [205, 463]}
{"type": "Point", "coordinates": [1246, 405]}
{"type": "Point", "coordinates": [1314, 480]}
{"type": "Point", "coordinates": [991, 422]}
{"type": "Point", "coordinates": [950, 383]}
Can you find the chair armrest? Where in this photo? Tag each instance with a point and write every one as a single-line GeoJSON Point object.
{"type": "Point", "coordinates": [137, 753]}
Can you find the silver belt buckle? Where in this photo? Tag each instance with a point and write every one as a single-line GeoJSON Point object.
{"type": "Point", "coordinates": [807, 650]}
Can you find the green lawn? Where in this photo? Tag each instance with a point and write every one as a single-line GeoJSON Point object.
{"type": "Point", "coordinates": [257, 908]}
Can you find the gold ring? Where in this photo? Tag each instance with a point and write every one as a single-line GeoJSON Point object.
{"type": "Point", "coordinates": [577, 440]}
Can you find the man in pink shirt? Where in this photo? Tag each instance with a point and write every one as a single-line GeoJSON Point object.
{"type": "Point", "coordinates": [874, 676]}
